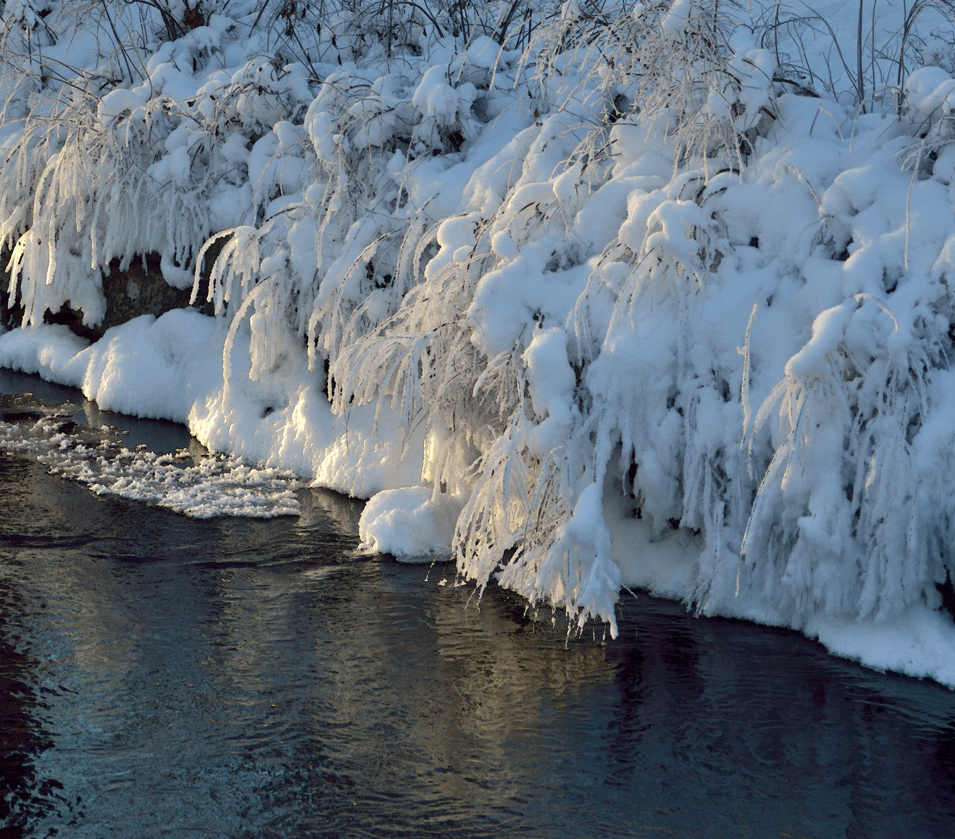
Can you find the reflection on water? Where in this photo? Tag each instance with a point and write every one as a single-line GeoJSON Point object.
{"type": "Point", "coordinates": [20, 736]}
{"type": "Point", "coordinates": [161, 676]}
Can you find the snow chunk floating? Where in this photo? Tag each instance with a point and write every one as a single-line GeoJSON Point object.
{"type": "Point", "coordinates": [217, 485]}
{"type": "Point", "coordinates": [199, 485]}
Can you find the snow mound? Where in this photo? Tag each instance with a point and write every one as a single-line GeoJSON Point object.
{"type": "Point", "coordinates": [409, 523]}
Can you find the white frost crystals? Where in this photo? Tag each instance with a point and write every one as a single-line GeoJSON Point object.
{"type": "Point", "coordinates": [563, 287]}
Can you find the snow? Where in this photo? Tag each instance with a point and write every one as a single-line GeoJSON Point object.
{"type": "Point", "coordinates": [200, 486]}
{"type": "Point", "coordinates": [605, 301]}
{"type": "Point", "coordinates": [408, 522]}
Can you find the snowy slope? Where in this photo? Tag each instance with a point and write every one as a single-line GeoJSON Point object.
{"type": "Point", "coordinates": [653, 295]}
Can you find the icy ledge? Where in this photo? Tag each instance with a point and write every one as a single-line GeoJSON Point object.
{"type": "Point", "coordinates": [164, 369]}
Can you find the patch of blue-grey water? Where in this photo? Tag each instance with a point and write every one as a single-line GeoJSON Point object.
{"type": "Point", "coordinates": [167, 676]}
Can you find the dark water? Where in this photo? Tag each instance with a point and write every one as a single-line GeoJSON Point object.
{"type": "Point", "coordinates": [161, 676]}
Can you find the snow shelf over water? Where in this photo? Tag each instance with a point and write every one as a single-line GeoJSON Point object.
{"type": "Point", "coordinates": [648, 296]}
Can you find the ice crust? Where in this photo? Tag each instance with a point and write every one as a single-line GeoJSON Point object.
{"type": "Point", "coordinates": [701, 348]}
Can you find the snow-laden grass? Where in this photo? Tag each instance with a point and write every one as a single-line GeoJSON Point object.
{"type": "Point", "coordinates": [666, 271]}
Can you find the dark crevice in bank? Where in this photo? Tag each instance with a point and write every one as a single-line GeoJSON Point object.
{"type": "Point", "coordinates": [138, 290]}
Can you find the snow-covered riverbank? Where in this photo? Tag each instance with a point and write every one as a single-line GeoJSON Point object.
{"type": "Point", "coordinates": [652, 296]}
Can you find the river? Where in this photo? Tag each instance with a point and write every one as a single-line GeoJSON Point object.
{"type": "Point", "coordinates": [167, 676]}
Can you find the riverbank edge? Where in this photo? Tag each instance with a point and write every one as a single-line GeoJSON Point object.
{"type": "Point", "coordinates": [161, 368]}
